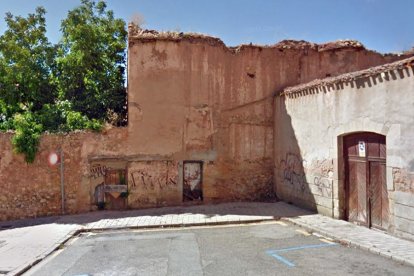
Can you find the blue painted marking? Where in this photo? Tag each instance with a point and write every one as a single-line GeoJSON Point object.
{"type": "Point", "coordinates": [302, 247]}
{"type": "Point", "coordinates": [290, 264]}
{"type": "Point", "coordinates": [283, 260]}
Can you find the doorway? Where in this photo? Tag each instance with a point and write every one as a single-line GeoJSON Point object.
{"type": "Point", "coordinates": [365, 180]}
{"type": "Point", "coordinates": [116, 189]}
{"type": "Point", "coordinates": [192, 188]}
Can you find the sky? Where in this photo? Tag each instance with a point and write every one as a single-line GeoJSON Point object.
{"type": "Point", "coordinates": [382, 25]}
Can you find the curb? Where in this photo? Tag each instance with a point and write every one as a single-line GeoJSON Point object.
{"type": "Point", "coordinates": [348, 242]}
{"type": "Point", "coordinates": [19, 271]}
{"type": "Point", "coordinates": [178, 225]}
{"type": "Point", "coordinates": [24, 268]}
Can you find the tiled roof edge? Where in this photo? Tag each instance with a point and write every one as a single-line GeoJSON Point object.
{"type": "Point", "coordinates": [348, 77]}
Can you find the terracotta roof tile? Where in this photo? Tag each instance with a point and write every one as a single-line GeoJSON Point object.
{"type": "Point", "coordinates": [348, 77]}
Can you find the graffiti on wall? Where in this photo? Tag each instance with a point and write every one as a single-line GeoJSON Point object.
{"type": "Point", "coordinates": [294, 171]}
{"type": "Point", "coordinates": [323, 185]}
{"type": "Point", "coordinates": [147, 181]}
{"type": "Point", "coordinates": [153, 177]}
{"type": "Point", "coordinates": [98, 170]}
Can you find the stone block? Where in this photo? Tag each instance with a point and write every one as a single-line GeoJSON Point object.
{"type": "Point", "coordinates": [390, 180]}
{"type": "Point", "coordinates": [404, 211]}
{"type": "Point", "coordinates": [404, 198]}
{"type": "Point", "coordinates": [405, 225]}
{"type": "Point", "coordinates": [324, 210]}
{"type": "Point", "coordinates": [323, 201]}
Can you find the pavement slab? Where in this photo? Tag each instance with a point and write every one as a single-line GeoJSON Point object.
{"type": "Point", "coordinates": [374, 241]}
{"type": "Point", "coordinates": [26, 246]}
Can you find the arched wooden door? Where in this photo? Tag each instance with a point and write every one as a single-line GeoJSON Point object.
{"type": "Point", "coordinates": [365, 179]}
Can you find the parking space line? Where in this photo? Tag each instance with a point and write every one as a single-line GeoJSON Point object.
{"type": "Point", "coordinates": [283, 260]}
{"type": "Point", "coordinates": [327, 241]}
{"type": "Point", "coordinates": [303, 232]}
{"type": "Point", "coordinates": [274, 253]}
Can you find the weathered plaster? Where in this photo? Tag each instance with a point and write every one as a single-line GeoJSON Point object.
{"type": "Point", "coordinates": [311, 123]}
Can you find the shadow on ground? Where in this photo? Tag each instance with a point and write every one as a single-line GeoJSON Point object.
{"type": "Point", "coordinates": [273, 210]}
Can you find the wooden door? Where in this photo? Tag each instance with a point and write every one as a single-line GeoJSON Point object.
{"type": "Point", "coordinates": [115, 188]}
{"type": "Point", "coordinates": [378, 195]}
{"type": "Point", "coordinates": [365, 177]}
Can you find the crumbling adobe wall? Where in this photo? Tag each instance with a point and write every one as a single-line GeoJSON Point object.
{"type": "Point", "coordinates": [189, 98]}
{"type": "Point", "coordinates": [153, 183]}
{"type": "Point", "coordinates": [33, 190]}
{"type": "Point", "coordinates": [193, 98]}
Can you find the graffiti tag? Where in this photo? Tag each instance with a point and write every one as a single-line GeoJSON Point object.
{"type": "Point", "coordinates": [323, 185]}
{"type": "Point", "coordinates": [98, 170]}
{"type": "Point", "coordinates": [293, 171]}
{"type": "Point", "coordinates": [143, 179]}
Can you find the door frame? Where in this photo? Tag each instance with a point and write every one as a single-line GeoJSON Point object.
{"type": "Point", "coordinates": [344, 171]}
{"type": "Point", "coordinates": [392, 132]}
{"type": "Point", "coordinates": [201, 179]}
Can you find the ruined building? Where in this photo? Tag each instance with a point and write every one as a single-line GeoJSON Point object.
{"type": "Point", "coordinates": [328, 127]}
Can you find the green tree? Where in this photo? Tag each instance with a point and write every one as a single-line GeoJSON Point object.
{"type": "Point", "coordinates": [26, 84]}
{"type": "Point", "coordinates": [91, 62]}
{"type": "Point", "coordinates": [65, 87]}
{"type": "Point", "coordinates": [26, 61]}
{"type": "Point", "coordinates": [27, 136]}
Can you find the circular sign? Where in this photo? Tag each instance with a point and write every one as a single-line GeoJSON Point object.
{"type": "Point", "coordinates": [53, 158]}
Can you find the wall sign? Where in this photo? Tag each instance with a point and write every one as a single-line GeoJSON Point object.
{"type": "Point", "coordinates": [361, 149]}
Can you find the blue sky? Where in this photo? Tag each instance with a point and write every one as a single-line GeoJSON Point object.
{"type": "Point", "coordinates": [381, 25]}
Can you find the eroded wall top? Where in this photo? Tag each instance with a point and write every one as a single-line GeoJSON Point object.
{"type": "Point", "coordinates": [144, 35]}
{"type": "Point", "coordinates": [192, 93]}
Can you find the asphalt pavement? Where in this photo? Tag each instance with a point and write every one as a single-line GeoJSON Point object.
{"type": "Point", "coordinates": [272, 248]}
{"type": "Point", "coordinates": [25, 243]}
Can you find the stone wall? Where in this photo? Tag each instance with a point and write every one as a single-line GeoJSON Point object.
{"type": "Point", "coordinates": [32, 190]}
{"type": "Point", "coordinates": [189, 98]}
{"type": "Point", "coordinates": [403, 201]}
{"type": "Point", "coordinates": [310, 121]}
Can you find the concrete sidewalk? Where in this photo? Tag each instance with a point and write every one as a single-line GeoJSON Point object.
{"type": "Point", "coordinates": [361, 237]}
{"type": "Point", "coordinates": [24, 243]}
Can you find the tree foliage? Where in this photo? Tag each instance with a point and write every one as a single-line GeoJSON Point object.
{"type": "Point", "coordinates": [26, 139]}
{"type": "Point", "coordinates": [26, 60]}
{"type": "Point", "coordinates": [75, 84]}
{"type": "Point", "coordinates": [91, 61]}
